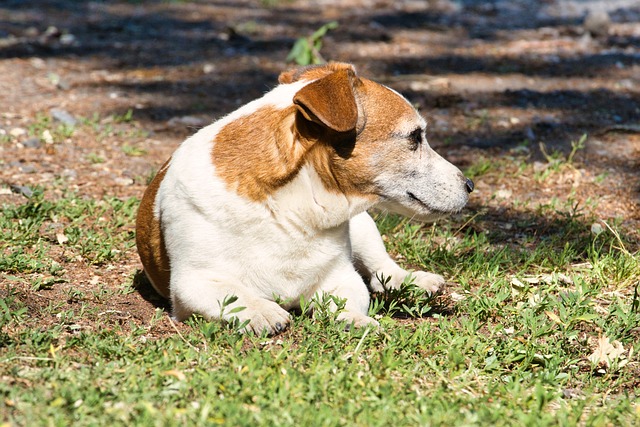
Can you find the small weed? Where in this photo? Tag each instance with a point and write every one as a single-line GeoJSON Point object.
{"type": "Point", "coordinates": [306, 50]}
{"type": "Point", "coordinates": [479, 167]}
{"type": "Point", "coordinates": [133, 150]}
{"type": "Point", "coordinates": [44, 128]}
{"type": "Point", "coordinates": [479, 119]}
{"type": "Point", "coordinates": [556, 161]}
{"type": "Point", "coordinates": [94, 158]}
{"type": "Point", "coordinates": [11, 310]}
{"type": "Point", "coordinates": [408, 301]}
{"type": "Point", "coordinates": [75, 295]}
{"type": "Point", "coordinates": [274, 3]}
{"type": "Point", "coordinates": [127, 117]}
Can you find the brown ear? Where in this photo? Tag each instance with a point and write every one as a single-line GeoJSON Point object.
{"type": "Point", "coordinates": [330, 101]}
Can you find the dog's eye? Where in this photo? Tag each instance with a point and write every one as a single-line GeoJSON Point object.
{"type": "Point", "coordinates": [416, 139]}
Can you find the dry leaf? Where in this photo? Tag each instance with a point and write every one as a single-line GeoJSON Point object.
{"type": "Point", "coordinates": [554, 317]}
{"type": "Point", "coordinates": [606, 352]}
{"type": "Point", "coordinates": [61, 238]}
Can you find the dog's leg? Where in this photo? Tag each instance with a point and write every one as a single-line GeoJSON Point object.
{"type": "Point", "coordinates": [374, 263]}
{"type": "Point", "coordinates": [344, 282]}
{"type": "Point", "coordinates": [198, 292]}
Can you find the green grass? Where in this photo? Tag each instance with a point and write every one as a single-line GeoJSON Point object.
{"type": "Point", "coordinates": [95, 230]}
{"type": "Point", "coordinates": [512, 346]}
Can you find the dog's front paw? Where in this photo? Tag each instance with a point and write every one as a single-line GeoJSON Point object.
{"type": "Point", "coordinates": [432, 283]}
{"type": "Point", "coordinates": [263, 316]}
{"type": "Point", "coordinates": [356, 320]}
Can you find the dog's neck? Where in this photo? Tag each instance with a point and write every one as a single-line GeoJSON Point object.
{"type": "Point", "coordinates": [308, 207]}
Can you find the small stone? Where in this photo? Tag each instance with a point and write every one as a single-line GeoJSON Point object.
{"type": "Point", "coordinates": [31, 143]}
{"type": "Point", "coordinates": [596, 228]}
{"type": "Point", "coordinates": [529, 134]}
{"type": "Point", "coordinates": [52, 31]}
{"type": "Point", "coordinates": [63, 85]}
{"type": "Point", "coordinates": [503, 194]}
{"type": "Point", "coordinates": [17, 132]}
{"type": "Point", "coordinates": [22, 189]}
{"type": "Point", "coordinates": [124, 181]}
{"type": "Point", "coordinates": [31, 32]}
{"type": "Point", "coordinates": [62, 116]}
{"type": "Point", "coordinates": [597, 23]}
{"type": "Point", "coordinates": [38, 63]}
{"type": "Point", "coordinates": [189, 121]}
{"type": "Point", "coordinates": [27, 169]}
{"type": "Point", "coordinates": [68, 40]}
{"type": "Point", "coordinates": [69, 174]}
{"type": "Point", "coordinates": [572, 393]}
{"type": "Point", "coordinates": [47, 137]}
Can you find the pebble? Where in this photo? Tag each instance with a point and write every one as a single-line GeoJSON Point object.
{"type": "Point", "coordinates": [27, 169]}
{"type": "Point", "coordinates": [529, 134]}
{"type": "Point", "coordinates": [597, 23]}
{"type": "Point", "coordinates": [17, 132]}
{"type": "Point", "coordinates": [503, 194]}
{"type": "Point", "coordinates": [596, 228]}
{"type": "Point", "coordinates": [124, 181]}
{"type": "Point", "coordinates": [63, 116]}
{"type": "Point", "coordinates": [22, 189]}
{"type": "Point", "coordinates": [32, 143]}
{"type": "Point", "coordinates": [47, 137]}
{"type": "Point", "coordinates": [68, 40]}
{"type": "Point", "coordinates": [69, 174]}
{"type": "Point", "coordinates": [189, 121]}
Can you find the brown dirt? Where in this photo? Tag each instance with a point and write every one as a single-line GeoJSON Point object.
{"type": "Point", "coordinates": [487, 75]}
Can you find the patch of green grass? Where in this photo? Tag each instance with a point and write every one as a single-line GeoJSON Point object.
{"type": "Point", "coordinates": [557, 162]}
{"type": "Point", "coordinates": [520, 337]}
{"type": "Point", "coordinates": [95, 158]}
{"type": "Point", "coordinates": [95, 230]}
{"type": "Point", "coordinates": [133, 150]}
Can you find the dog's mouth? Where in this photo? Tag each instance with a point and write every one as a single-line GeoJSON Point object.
{"type": "Point", "coordinates": [424, 205]}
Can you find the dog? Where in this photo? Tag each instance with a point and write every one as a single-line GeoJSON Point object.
{"type": "Point", "coordinates": [268, 206]}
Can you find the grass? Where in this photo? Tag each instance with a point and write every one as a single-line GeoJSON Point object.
{"type": "Point", "coordinates": [519, 340]}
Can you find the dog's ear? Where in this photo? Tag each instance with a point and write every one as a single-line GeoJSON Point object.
{"type": "Point", "coordinates": [331, 101]}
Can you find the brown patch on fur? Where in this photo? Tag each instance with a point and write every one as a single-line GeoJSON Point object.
{"type": "Point", "coordinates": [313, 72]}
{"type": "Point", "coordinates": [258, 152]}
{"type": "Point", "coordinates": [149, 239]}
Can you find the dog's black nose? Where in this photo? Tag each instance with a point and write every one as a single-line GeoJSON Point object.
{"type": "Point", "coordinates": [470, 185]}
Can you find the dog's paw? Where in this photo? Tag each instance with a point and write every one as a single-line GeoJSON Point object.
{"type": "Point", "coordinates": [356, 320]}
{"type": "Point", "coordinates": [263, 316]}
{"type": "Point", "coordinates": [432, 283]}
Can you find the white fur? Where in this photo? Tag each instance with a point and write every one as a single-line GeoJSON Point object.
{"type": "Point", "coordinates": [303, 240]}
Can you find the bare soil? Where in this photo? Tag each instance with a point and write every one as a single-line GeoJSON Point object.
{"type": "Point", "coordinates": [494, 79]}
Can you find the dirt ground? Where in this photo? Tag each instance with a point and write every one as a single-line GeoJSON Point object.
{"type": "Point", "coordinates": [495, 79]}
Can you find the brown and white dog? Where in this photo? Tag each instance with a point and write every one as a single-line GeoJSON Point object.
{"type": "Point", "coordinates": [269, 203]}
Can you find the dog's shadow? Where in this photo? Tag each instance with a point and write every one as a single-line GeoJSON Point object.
{"type": "Point", "coordinates": [144, 287]}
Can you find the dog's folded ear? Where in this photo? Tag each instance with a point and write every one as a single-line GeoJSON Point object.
{"type": "Point", "coordinates": [330, 101]}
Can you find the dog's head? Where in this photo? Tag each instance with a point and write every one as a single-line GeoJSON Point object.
{"type": "Point", "coordinates": [367, 140]}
